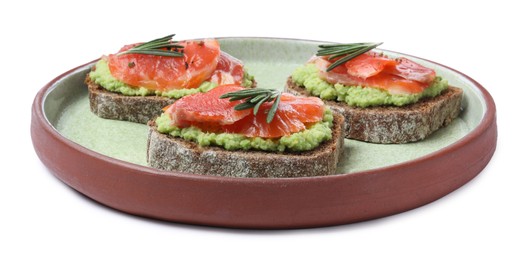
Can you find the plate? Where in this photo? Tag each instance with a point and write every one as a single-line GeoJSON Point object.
{"type": "Point", "coordinates": [105, 159]}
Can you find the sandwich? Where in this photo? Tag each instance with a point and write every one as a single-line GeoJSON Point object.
{"type": "Point", "coordinates": [237, 132]}
{"type": "Point", "coordinates": [135, 83]}
{"type": "Point", "coordinates": [384, 100]}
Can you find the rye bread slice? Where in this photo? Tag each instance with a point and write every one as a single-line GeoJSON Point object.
{"type": "Point", "coordinates": [138, 109]}
{"type": "Point", "coordinates": [391, 124]}
{"type": "Point", "coordinates": [111, 105]}
{"type": "Point", "coordinates": [170, 153]}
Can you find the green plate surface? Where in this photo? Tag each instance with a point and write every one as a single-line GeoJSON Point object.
{"type": "Point", "coordinates": [271, 61]}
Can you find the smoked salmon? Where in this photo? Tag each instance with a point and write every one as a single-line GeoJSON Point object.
{"type": "Point", "coordinates": [229, 70]}
{"type": "Point", "coordinates": [210, 113]}
{"type": "Point", "coordinates": [371, 69]}
{"type": "Point", "coordinates": [202, 60]}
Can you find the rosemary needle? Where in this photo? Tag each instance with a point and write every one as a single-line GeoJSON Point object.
{"type": "Point", "coordinates": [254, 98]}
{"type": "Point", "coordinates": [159, 47]}
{"type": "Point", "coordinates": [345, 51]}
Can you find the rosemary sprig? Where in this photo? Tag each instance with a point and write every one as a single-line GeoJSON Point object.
{"type": "Point", "coordinates": [160, 47]}
{"type": "Point", "coordinates": [254, 98]}
{"type": "Point", "coordinates": [346, 51]}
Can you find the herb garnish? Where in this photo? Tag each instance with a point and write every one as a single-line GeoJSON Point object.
{"type": "Point", "coordinates": [255, 98]}
{"type": "Point", "coordinates": [348, 51]}
{"type": "Point", "coordinates": [160, 47]}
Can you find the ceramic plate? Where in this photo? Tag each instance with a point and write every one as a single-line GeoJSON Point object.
{"type": "Point", "coordinates": [106, 159]}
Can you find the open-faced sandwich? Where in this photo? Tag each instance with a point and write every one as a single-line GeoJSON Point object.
{"type": "Point", "coordinates": [138, 81]}
{"type": "Point", "coordinates": [383, 99]}
{"type": "Point", "coordinates": [233, 131]}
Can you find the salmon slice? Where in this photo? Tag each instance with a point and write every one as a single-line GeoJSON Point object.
{"type": "Point", "coordinates": [397, 76]}
{"type": "Point", "coordinates": [164, 73]}
{"type": "Point", "coordinates": [368, 64]}
{"type": "Point", "coordinates": [228, 71]}
{"type": "Point", "coordinates": [212, 114]}
{"type": "Point", "coordinates": [413, 71]}
{"type": "Point", "coordinates": [293, 115]}
{"type": "Point", "coordinates": [207, 109]}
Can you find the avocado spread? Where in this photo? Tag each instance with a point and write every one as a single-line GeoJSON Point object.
{"type": "Point", "coordinates": [102, 76]}
{"type": "Point", "coordinates": [305, 140]}
{"type": "Point", "coordinates": [308, 77]}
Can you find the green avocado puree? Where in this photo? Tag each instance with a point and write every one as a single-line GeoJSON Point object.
{"type": "Point", "coordinates": [308, 77]}
{"type": "Point", "coordinates": [305, 140]}
{"type": "Point", "coordinates": [102, 76]}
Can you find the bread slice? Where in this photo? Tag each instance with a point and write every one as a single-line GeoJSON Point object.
{"type": "Point", "coordinates": [111, 105]}
{"type": "Point", "coordinates": [391, 124]}
{"type": "Point", "coordinates": [138, 109]}
{"type": "Point", "coordinates": [170, 153]}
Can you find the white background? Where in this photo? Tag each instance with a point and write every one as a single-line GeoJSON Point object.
{"type": "Point", "coordinates": [42, 218]}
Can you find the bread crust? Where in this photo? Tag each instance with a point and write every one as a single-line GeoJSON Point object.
{"type": "Point", "coordinates": [170, 153]}
{"type": "Point", "coordinates": [112, 105]}
{"type": "Point", "coordinates": [391, 124]}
